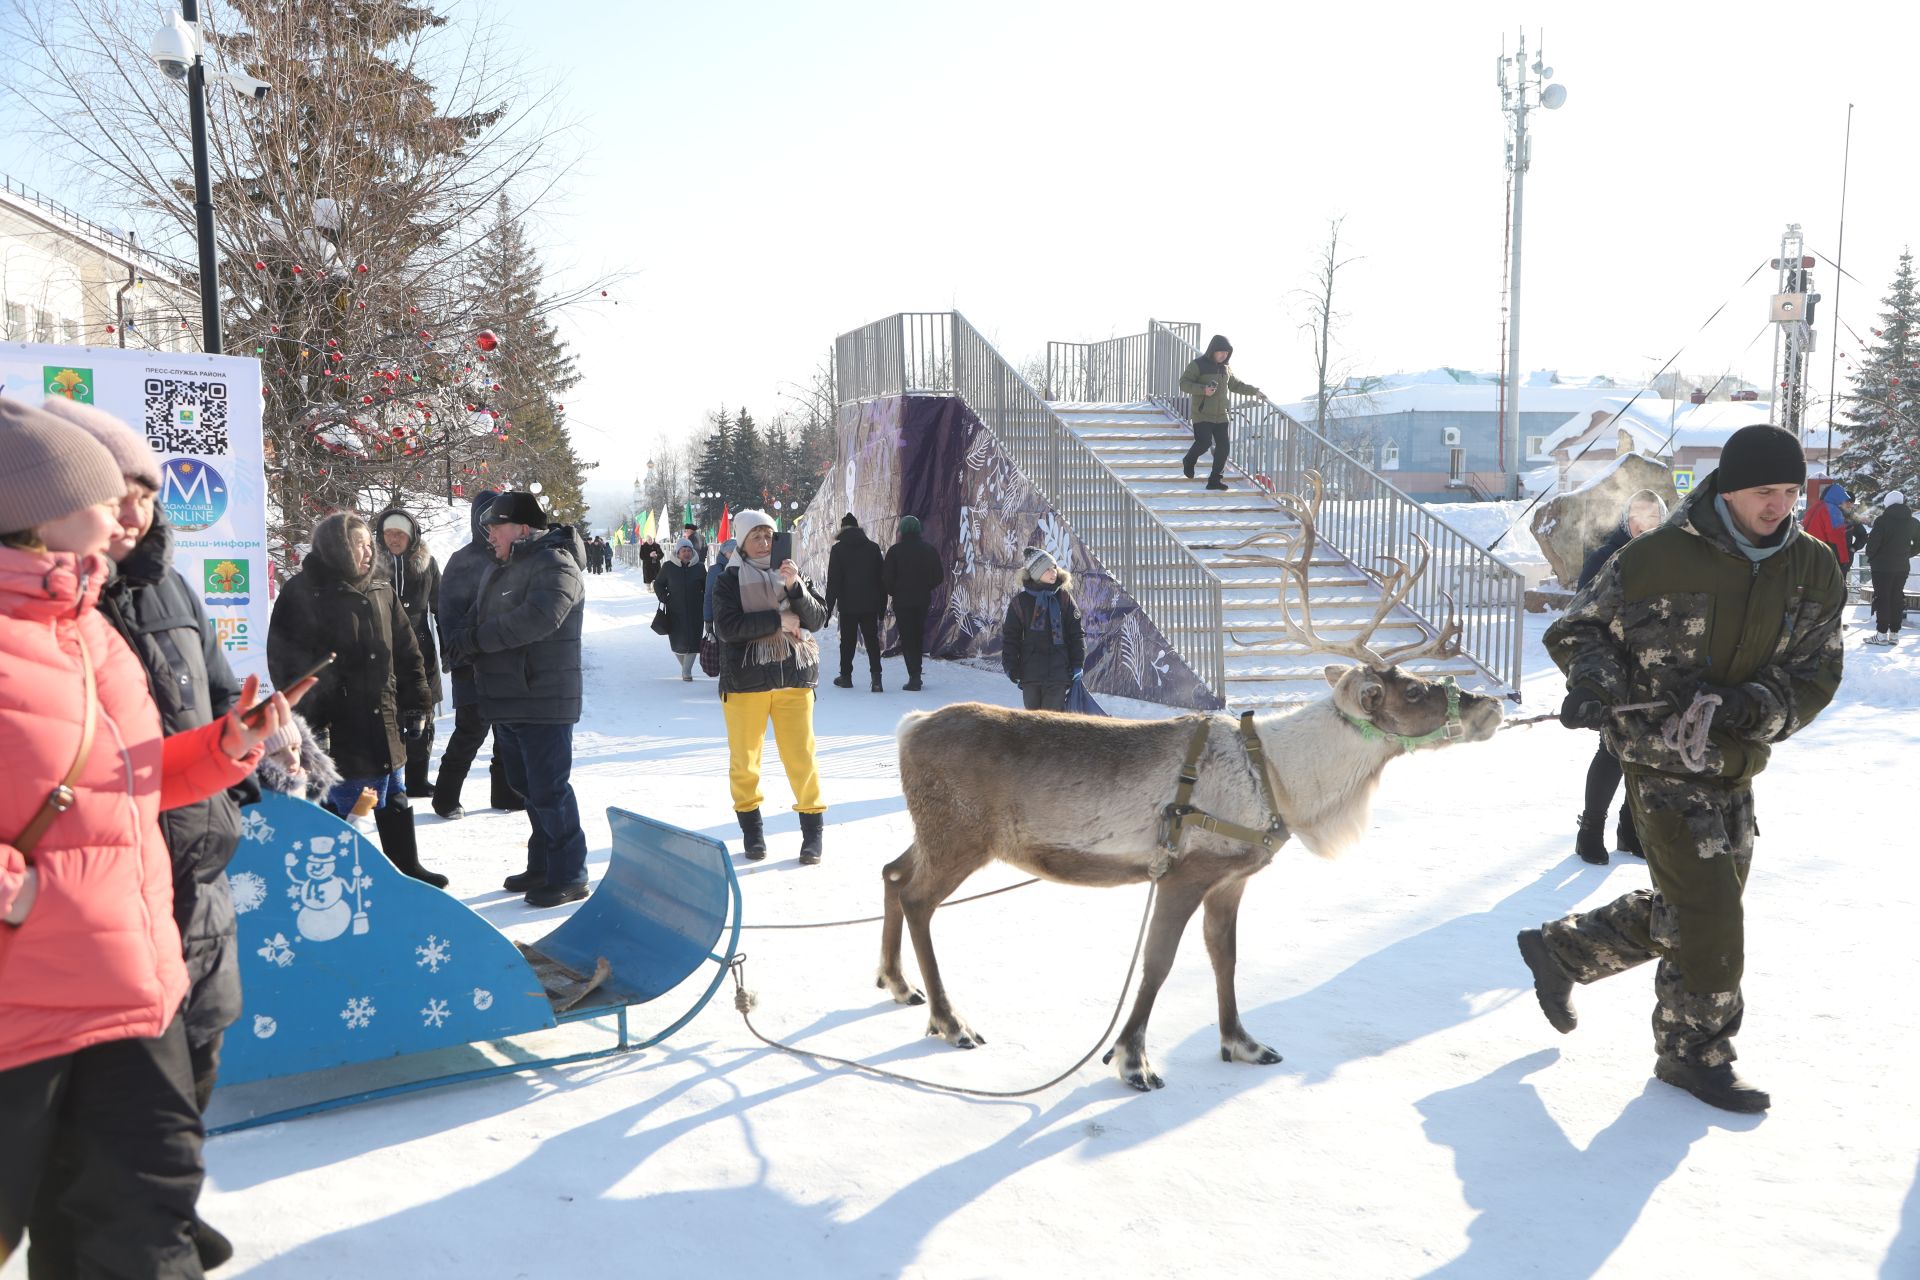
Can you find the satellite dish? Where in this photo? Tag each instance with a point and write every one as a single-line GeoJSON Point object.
{"type": "Point", "coordinates": [1553, 96]}
{"type": "Point", "coordinates": [1546, 73]}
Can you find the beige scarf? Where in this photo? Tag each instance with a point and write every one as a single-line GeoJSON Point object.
{"type": "Point", "coordinates": [760, 590]}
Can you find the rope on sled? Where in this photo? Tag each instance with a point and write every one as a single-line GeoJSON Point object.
{"type": "Point", "coordinates": [744, 1000]}
{"type": "Point", "coordinates": [950, 902]}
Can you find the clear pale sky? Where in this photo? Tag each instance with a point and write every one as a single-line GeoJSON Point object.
{"type": "Point", "coordinates": [775, 173]}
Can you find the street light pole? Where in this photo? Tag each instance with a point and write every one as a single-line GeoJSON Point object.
{"type": "Point", "coordinates": [1514, 102]}
{"type": "Point", "coordinates": [202, 190]}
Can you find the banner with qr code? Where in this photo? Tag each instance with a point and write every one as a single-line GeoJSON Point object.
{"type": "Point", "coordinates": [200, 415]}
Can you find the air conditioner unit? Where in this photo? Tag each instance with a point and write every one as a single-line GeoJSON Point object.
{"type": "Point", "coordinates": [1450, 436]}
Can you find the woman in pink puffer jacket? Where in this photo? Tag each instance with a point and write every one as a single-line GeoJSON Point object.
{"type": "Point", "coordinates": [97, 1118]}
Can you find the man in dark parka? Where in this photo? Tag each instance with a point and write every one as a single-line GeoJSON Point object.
{"type": "Point", "coordinates": [1207, 382]}
{"type": "Point", "coordinates": [459, 588]}
{"type": "Point", "coordinates": [856, 586]}
{"type": "Point", "coordinates": [910, 574]}
{"type": "Point", "coordinates": [1729, 600]}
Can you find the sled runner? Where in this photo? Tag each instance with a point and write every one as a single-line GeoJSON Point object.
{"type": "Point", "coordinates": [345, 962]}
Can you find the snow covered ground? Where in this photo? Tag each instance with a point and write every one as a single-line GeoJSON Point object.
{"type": "Point", "coordinates": [1426, 1120]}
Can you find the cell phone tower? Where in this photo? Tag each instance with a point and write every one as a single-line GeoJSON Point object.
{"type": "Point", "coordinates": [1523, 88]}
{"type": "Point", "coordinates": [1793, 335]}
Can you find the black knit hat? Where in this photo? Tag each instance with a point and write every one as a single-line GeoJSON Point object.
{"type": "Point", "coordinates": [1759, 455]}
{"type": "Point", "coordinates": [514, 507]}
{"type": "Point", "coordinates": [849, 521]}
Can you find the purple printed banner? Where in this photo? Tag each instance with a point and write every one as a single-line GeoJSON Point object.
{"type": "Point", "coordinates": [928, 456]}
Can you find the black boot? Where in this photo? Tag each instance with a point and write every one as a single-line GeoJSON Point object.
{"type": "Point", "coordinates": [810, 831]}
{"type": "Point", "coordinates": [534, 877]}
{"type": "Point", "coordinates": [756, 836]}
{"type": "Point", "coordinates": [1715, 1086]}
{"type": "Point", "coordinates": [504, 796]}
{"type": "Point", "coordinates": [1551, 985]}
{"type": "Point", "coordinates": [394, 821]}
{"type": "Point", "coordinates": [913, 683]}
{"type": "Point", "coordinates": [876, 683]}
{"type": "Point", "coordinates": [1627, 837]}
{"type": "Point", "coordinates": [214, 1248]}
{"type": "Point", "coordinates": [1591, 843]}
{"type": "Point", "coordinates": [843, 682]}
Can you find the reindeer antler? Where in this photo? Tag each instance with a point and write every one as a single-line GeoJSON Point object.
{"type": "Point", "coordinates": [1294, 562]}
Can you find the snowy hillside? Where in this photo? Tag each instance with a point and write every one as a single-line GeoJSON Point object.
{"type": "Point", "coordinates": [1425, 1122]}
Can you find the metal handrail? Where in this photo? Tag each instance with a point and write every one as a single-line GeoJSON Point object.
{"type": "Point", "coordinates": [123, 242]}
{"type": "Point", "coordinates": [940, 353]}
{"type": "Point", "coordinates": [1363, 516]}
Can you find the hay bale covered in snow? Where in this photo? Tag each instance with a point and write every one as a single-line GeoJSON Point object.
{"type": "Point", "coordinates": [1570, 525]}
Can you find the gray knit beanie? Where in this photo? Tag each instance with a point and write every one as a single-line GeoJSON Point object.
{"type": "Point", "coordinates": [49, 469]}
{"type": "Point", "coordinates": [128, 447]}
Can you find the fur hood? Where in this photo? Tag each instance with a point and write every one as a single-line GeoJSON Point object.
{"type": "Point", "coordinates": [418, 553]}
{"type": "Point", "coordinates": [330, 556]}
{"type": "Point", "coordinates": [318, 772]}
{"type": "Point", "coordinates": [1021, 581]}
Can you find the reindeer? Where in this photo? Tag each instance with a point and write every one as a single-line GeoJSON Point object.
{"type": "Point", "coordinates": [1198, 803]}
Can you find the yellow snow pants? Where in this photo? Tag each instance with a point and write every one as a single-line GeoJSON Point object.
{"type": "Point", "coordinates": [791, 711]}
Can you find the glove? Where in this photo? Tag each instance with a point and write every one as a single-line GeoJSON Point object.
{"type": "Point", "coordinates": [1738, 709]}
{"type": "Point", "coordinates": [1583, 709]}
{"type": "Point", "coordinates": [413, 725]}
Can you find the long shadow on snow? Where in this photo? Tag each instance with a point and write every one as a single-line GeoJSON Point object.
{"type": "Point", "coordinates": [1542, 1201]}
{"type": "Point", "coordinates": [591, 1185]}
{"type": "Point", "coordinates": [1903, 1257]}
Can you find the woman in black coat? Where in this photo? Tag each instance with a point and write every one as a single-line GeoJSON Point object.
{"type": "Point", "coordinates": [1041, 646]}
{"type": "Point", "coordinates": [682, 587]}
{"type": "Point", "coordinates": [374, 694]}
{"type": "Point", "coordinates": [409, 565]}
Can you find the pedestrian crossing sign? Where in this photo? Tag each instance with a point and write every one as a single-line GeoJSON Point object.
{"type": "Point", "coordinates": [1683, 480]}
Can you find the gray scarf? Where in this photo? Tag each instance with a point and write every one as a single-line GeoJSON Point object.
{"type": "Point", "coordinates": [1751, 550]}
{"type": "Point", "coordinates": [760, 590]}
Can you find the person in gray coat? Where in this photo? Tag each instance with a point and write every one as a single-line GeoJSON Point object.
{"type": "Point", "coordinates": [522, 639]}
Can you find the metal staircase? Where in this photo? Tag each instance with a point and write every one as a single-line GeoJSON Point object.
{"type": "Point", "coordinates": [1104, 443]}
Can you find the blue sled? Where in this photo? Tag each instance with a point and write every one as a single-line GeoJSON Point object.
{"type": "Point", "coordinates": [344, 960]}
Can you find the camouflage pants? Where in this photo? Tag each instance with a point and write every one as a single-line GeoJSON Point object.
{"type": "Point", "coordinates": [1698, 837]}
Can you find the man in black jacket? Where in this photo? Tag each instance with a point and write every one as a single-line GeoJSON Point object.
{"type": "Point", "coordinates": [523, 641]}
{"type": "Point", "coordinates": [1891, 546]}
{"type": "Point", "coordinates": [166, 626]}
{"type": "Point", "coordinates": [856, 586]}
{"type": "Point", "coordinates": [459, 588]}
{"type": "Point", "coordinates": [415, 576]}
{"type": "Point", "coordinates": [373, 698]}
{"type": "Point", "coordinates": [910, 575]}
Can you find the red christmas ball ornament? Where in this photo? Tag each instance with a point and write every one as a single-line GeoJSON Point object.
{"type": "Point", "coordinates": [259, 266]}
{"type": "Point", "coordinates": [486, 340]}
{"type": "Point", "coordinates": [276, 328]}
{"type": "Point", "coordinates": [361, 305]}
{"type": "Point", "coordinates": [362, 268]}
{"type": "Point", "coordinates": [603, 293]}
{"type": "Point", "coordinates": [333, 342]}
{"type": "Point", "coordinates": [110, 329]}
{"type": "Point", "coordinates": [334, 355]}
{"type": "Point", "coordinates": [366, 399]}
{"type": "Point", "coordinates": [425, 336]}
{"type": "Point", "coordinates": [297, 268]}
{"type": "Point", "coordinates": [413, 311]}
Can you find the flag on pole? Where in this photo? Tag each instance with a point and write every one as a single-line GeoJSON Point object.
{"type": "Point", "coordinates": [666, 529]}
{"type": "Point", "coordinates": [648, 531]}
{"type": "Point", "coordinates": [726, 523]}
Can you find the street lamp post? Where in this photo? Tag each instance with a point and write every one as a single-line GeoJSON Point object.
{"type": "Point", "coordinates": [1518, 95]}
{"type": "Point", "coordinates": [202, 190]}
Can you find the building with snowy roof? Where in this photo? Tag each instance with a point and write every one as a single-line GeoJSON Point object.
{"type": "Point", "coordinates": [1436, 434]}
{"type": "Point", "coordinates": [1688, 435]}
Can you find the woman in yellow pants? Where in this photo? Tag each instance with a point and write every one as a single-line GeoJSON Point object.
{"type": "Point", "coordinates": [765, 616]}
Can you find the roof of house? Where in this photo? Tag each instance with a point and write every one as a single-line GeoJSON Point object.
{"type": "Point", "coordinates": [102, 240]}
{"type": "Point", "coordinates": [1659, 426]}
{"type": "Point", "coordinates": [1447, 389]}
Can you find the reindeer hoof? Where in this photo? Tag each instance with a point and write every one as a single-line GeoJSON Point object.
{"type": "Point", "coordinates": [959, 1035]}
{"type": "Point", "coordinates": [1107, 1058]}
{"type": "Point", "coordinates": [1143, 1080]}
{"type": "Point", "coordinates": [1249, 1051]}
{"type": "Point", "coordinates": [900, 991]}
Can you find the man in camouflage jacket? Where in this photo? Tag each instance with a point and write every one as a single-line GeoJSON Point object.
{"type": "Point", "coordinates": [1729, 599]}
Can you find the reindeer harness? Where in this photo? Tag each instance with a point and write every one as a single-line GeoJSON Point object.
{"type": "Point", "coordinates": [1445, 733]}
{"type": "Point", "coordinates": [1180, 813]}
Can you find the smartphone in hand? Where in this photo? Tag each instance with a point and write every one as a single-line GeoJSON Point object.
{"type": "Point", "coordinates": [782, 549]}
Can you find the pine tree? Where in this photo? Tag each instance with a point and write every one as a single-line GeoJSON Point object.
{"type": "Point", "coordinates": [714, 473]}
{"type": "Point", "coordinates": [530, 368]}
{"type": "Point", "coordinates": [747, 466]}
{"type": "Point", "coordinates": [1884, 410]}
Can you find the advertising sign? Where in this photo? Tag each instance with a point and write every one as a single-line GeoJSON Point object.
{"type": "Point", "coordinates": [200, 415]}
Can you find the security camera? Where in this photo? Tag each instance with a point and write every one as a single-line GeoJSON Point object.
{"type": "Point", "coordinates": [174, 47]}
{"type": "Point", "coordinates": [243, 84]}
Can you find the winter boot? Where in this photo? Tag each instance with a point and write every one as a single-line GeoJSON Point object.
{"type": "Point", "coordinates": [755, 835]}
{"type": "Point", "coordinates": [453, 814]}
{"type": "Point", "coordinates": [877, 688]}
{"type": "Point", "coordinates": [504, 796]}
{"type": "Point", "coordinates": [912, 685]}
{"type": "Point", "coordinates": [556, 895]}
{"type": "Point", "coordinates": [843, 682]}
{"type": "Point", "coordinates": [810, 831]}
{"type": "Point", "coordinates": [1217, 483]}
{"type": "Point", "coordinates": [214, 1248]}
{"type": "Point", "coordinates": [534, 877]}
{"type": "Point", "coordinates": [1551, 985]}
{"type": "Point", "coordinates": [1590, 843]}
{"type": "Point", "coordinates": [1627, 837]}
{"type": "Point", "coordinates": [394, 820]}
{"type": "Point", "coordinates": [1715, 1086]}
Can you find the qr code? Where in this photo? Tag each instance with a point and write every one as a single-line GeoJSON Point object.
{"type": "Point", "coordinates": [187, 415]}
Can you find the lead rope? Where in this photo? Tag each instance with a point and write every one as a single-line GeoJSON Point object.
{"type": "Point", "coordinates": [950, 902]}
{"type": "Point", "coordinates": [744, 1000]}
{"type": "Point", "coordinates": [1685, 733]}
